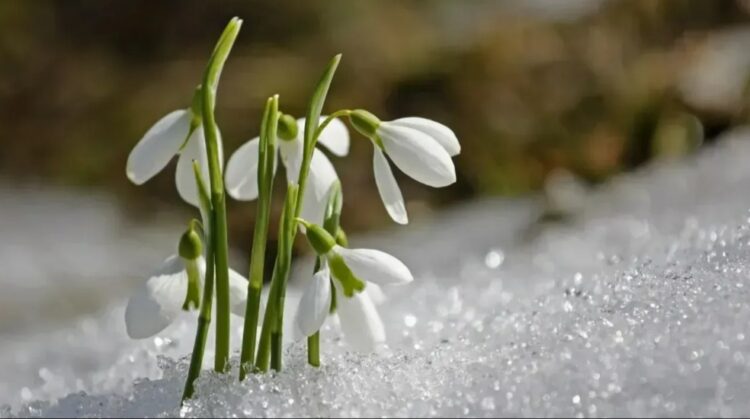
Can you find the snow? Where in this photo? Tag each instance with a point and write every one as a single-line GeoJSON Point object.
{"type": "Point", "coordinates": [637, 306]}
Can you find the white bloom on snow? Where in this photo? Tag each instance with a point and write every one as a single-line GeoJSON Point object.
{"type": "Point", "coordinates": [241, 178]}
{"type": "Point", "coordinates": [420, 147]}
{"type": "Point", "coordinates": [157, 302]}
{"type": "Point", "coordinates": [171, 136]}
{"type": "Point", "coordinates": [359, 318]}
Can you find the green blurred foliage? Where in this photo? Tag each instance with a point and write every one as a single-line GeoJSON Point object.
{"type": "Point", "coordinates": [81, 81]}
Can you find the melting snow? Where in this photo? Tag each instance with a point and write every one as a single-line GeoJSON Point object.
{"type": "Point", "coordinates": [638, 306]}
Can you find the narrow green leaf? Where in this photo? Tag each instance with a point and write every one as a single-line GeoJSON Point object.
{"type": "Point", "coordinates": [318, 99]}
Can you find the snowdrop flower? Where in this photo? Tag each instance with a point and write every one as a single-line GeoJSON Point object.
{"type": "Point", "coordinates": [352, 270]}
{"type": "Point", "coordinates": [176, 286]}
{"type": "Point", "coordinates": [420, 147]}
{"type": "Point", "coordinates": [241, 177]}
{"type": "Point", "coordinates": [179, 132]}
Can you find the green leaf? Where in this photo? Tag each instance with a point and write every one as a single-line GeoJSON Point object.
{"type": "Point", "coordinates": [221, 52]}
{"type": "Point", "coordinates": [318, 99]}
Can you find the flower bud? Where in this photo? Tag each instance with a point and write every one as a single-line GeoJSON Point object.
{"type": "Point", "coordinates": [190, 247]}
{"type": "Point", "coordinates": [320, 240]}
{"type": "Point", "coordinates": [364, 122]}
{"type": "Point", "coordinates": [287, 127]}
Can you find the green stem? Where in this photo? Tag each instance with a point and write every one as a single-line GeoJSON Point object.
{"type": "Point", "coordinates": [272, 317]}
{"type": "Point", "coordinates": [204, 321]}
{"type": "Point", "coordinates": [313, 342]}
{"type": "Point", "coordinates": [310, 139]}
{"type": "Point", "coordinates": [313, 349]}
{"type": "Point", "coordinates": [218, 201]}
{"type": "Point", "coordinates": [331, 225]}
{"type": "Point", "coordinates": [276, 298]}
{"type": "Point", "coordinates": [267, 154]}
{"type": "Point", "coordinates": [329, 118]}
{"type": "Point", "coordinates": [204, 318]}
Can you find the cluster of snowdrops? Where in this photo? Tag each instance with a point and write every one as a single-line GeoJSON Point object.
{"type": "Point", "coordinates": [345, 280]}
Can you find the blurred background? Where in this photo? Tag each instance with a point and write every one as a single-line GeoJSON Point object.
{"type": "Point", "coordinates": [536, 90]}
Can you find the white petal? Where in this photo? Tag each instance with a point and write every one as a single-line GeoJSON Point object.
{"type": "Point", "coordinates": [360, 321]}
{"type": "Point", "coordinates": [436, 130]}
{"type": "Point", "coordinates": [334, 137]}
{"type": "Point", "coordinates": [291, 155]}
{"type": "Point", "coordinates": [315, 303]}
{"type": "Point", "coordinates": [390, 193]}
{"type": "Point", "coordinates": [241, 178]}
{"type": "Point", "coordinates": [237, 293]}
{"type": "Point", "coordinates": [158, 301]}
{"type": "Point", "coordinates": [195, 149]}
{"type": "Point", "coordinates": [157, 147]}
{"type": "Point", "coordinates": [376, 293]}
{"type": "Point", "coordinates": [375, 266]}
{"type": "Point", "coordinates": [418, 155]}
{"type": "Point", "coordinates": [319, 181]}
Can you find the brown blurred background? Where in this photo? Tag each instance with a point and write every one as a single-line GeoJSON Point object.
{"type": "Point", "coordinates": [590, 86]}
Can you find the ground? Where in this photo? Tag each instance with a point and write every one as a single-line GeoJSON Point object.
{"type": "Point", "coordinates": [636, 306]}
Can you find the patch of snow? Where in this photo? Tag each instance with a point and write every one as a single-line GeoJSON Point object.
{"type": "Point", "coordinates": [638, 306]}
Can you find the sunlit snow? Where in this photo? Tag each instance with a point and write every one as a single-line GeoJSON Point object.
{"type": "Point", "coordinates": [637, 306]}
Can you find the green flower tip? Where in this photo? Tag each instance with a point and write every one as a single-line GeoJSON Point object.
{"type": "Point", "coordinates": [364, 122]}
{"type": "Point", "coordinates": [287, 127]}
{"type": "Point", "coordinates": [350, 284]}
{"type": "Point", "coordinates": [191, 246]}
{"type": "Point", "coordinates": [320, 240]}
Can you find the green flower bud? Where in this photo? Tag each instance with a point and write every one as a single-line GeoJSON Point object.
{"type": "Point", "coordinates": [320, 240]}
{"type": "Point", "coordinates": [341, 238]}
{"type": "Point", "coordinates": [190, 247]}
{"type": "Point", "coordinates": [364, 122]}
{"type": "Point", "coordinates": [287, 127]}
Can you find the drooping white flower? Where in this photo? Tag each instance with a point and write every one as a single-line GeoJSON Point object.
{"type": "Point", "coordinates": [420, 147]}
{"type": "Point", "coordinates": [352, 272]}
{"type": "Point", "coordinates": [241, 178]}
{"type": "Point", "coordinates": [158, 301]}
{"type": "Point", "coordinates": [171, 136]}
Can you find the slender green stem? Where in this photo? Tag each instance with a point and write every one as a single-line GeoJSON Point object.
{"type": "Point", "coordinates": [271, 323]}
{"type": "Point", "coordinates": [213, 147]}
{"type": "Point", "coordinates": [204, 318]}
{"type": "Point", "coordinates": [313, 349]}
{"type": "Point", "coordinates": [331, 225]}
{"type": "Point", "coordinates": [204, 321]}
{"type": "Point", "coordinates": [313, 342]}
{"type": "Point", "coordinates": [272, 332]}
{"type": "Point", "coordinates": [329, 118]}
{"type": "Point", "coordinates": [268, 132]}
{"type": "Point", "coordinates": [310, 138]}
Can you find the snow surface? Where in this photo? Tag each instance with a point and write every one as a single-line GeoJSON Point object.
{"type": "Point", "coordinates": [638, 306]}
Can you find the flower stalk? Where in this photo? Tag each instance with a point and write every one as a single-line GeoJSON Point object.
{"type": "Point", "coordinates": [331, 225]}
{"type": "Point", "coordinates": [273, 326]}
{"type": "Point", "coordinates": [204, 317]}
{"type": "Point", "coordinates": [269, 345]}
{"type": "Point", "coordinates": [267, 154]}
{"type": "Point", "coordinates": [218, 201]}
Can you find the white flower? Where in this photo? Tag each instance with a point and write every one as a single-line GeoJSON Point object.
{"type": "Point", "coordinates": [156, 303]}
{"type": "Point", "coordinates": [420, 147]}
{"type": "Point", "coordinates": [170, 136]}
{"type": "Point", "coordinates": [241, 177]}
{"type": "Point", "coordinates": [360, 321]}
